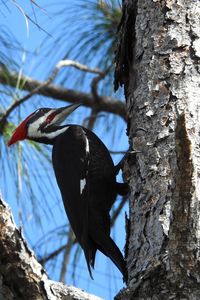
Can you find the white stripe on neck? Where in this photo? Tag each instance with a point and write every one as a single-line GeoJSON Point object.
{"type": "Point", "coordinates": [33, 132]}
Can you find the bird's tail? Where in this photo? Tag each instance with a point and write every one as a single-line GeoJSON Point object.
{"type": "Point", "coordinates": [108, 247]}
{"type": "Point", "coordinates": [90, 253]}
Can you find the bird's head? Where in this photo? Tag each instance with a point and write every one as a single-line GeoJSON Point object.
{"type": "Point", "coordinates": [42, 124]}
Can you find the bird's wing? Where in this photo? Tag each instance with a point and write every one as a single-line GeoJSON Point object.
{"type": "Point", "coordinates": [86, 177]}
{"type": "Point", "coordinates": [70, 161]}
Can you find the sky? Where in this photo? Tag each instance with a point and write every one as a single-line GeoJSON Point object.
{"type": "Point", "coordinates": [35, 62]}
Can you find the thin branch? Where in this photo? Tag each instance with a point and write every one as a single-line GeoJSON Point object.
{"type": "Point", "coordinates": [53, 254]}
{"type": "Point", "coordinates": [79, 66]}
{"type": "Point", "coordinates": [36, 90]}
{"type": "Point", "coordinates": [117, 152]}
{"type": "Point", "coordinates": [92, 118]}
{"type": "Point", "coordinates": [85, 121]}
{"type": "Point", "coordinates": [97, 99]}
{"type": "Point", "coordinates": [95, 109]}
{"type": "Point", "coordinates": [46, 89]}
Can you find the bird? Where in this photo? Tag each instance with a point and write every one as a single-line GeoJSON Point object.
{"type": "Point", "coordinates": [86, 177]}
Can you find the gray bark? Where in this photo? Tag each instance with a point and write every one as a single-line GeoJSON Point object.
{"type": "Point", "coordinates": [161, 75]}
{"type": "Point", "coordinates": [21, 276]}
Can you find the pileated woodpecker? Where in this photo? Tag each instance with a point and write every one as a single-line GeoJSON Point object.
{"type": "Point", "coordinates": [86, 177]}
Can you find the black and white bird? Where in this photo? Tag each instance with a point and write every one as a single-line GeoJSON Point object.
{"type": "Point", "coordinates": [86, 177]}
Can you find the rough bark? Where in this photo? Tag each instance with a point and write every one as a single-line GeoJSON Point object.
{"type": "Point", "coordinates": [21, 276]}
{"type": "Point", "coordinates": [162, 89]}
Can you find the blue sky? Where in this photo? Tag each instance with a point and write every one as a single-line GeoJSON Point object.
{"type": "Point", "coordinates": [35, 63]}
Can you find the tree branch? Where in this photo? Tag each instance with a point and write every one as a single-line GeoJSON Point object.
{"type": "Point", "coordinates": [21, 276]}
{"type": "Point", "coordinates": [47, 89]}
{"type": "Point", "coordinates": [36, 90]}
{"type": "Point", "coordinates": [77, 65]}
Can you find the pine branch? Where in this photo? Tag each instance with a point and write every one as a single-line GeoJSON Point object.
{"type": "Point", "coordinates": [56, 92]}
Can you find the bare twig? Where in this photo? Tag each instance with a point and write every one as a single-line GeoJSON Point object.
{"type": "Point", "coordinates": [77, 65]}
{"type": "Point", "coordinates": [117, 152]}
{"type": "Point", "coordinates": [85, 121]}
{"type": "Point", "coordinates": [53, 254]}
{"type": "Point", "coordinates": [94, 85]}
{"type": "Point", "coordinates": [97, 98]}
{"type": "Point", "coordinates": [92, 118]}
{"type": "Point", "coordinates": [95, 109]}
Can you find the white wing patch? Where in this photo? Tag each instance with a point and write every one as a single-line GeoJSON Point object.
{"type": "Point", "coordinates": [87, 147]}
{"type": "Point", "coordinates": [82, 185]}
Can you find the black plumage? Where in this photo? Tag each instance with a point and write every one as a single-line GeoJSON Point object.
{"type": "Point", "coordinates": [88, 212]}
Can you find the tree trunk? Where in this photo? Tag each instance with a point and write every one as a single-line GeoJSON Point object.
{"type": "Point", "coordinates": [158, 63]}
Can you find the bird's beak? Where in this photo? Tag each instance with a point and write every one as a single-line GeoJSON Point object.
{"type": "Point", "coordinates": [62, 113]}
